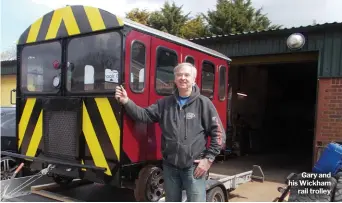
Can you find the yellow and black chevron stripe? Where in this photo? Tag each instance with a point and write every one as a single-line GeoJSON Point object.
{"type": "Point", "coordinates": [100, 126]}
{"type": "Point", "coordinates": [69, 21]}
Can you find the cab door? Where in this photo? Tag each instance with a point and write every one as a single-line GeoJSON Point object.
{"type": "Point", "coordinates": [164, 57]}
{"type": "Point", "coordinates": [137, 72]}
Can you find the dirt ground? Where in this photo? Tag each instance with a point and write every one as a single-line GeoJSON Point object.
{"type": "Point", "coordinates": [255, 192]}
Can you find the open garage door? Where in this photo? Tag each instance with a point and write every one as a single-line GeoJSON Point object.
{"type": "Point", "coordinates": [274, 102]}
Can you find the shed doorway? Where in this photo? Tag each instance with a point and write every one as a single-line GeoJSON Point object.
{"type": "Point", "coordinates": [273, 108]}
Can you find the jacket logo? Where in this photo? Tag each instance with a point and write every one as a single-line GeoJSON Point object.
{"type": "Point", "coordinates": [190, 115]}
{"type": "Point", "coordinates": [214, 119]}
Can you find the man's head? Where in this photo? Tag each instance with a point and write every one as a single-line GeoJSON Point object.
{"type": "Point", "coordinates": [185, 76]}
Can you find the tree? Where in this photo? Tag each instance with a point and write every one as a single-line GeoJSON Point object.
{"type": "Point", "coordinates": [236, 16]}
{"type": "Point", "coordinates": [9, 54]}
{"type": "Point", "coordinates": [137, 15]}
{"type": "Point", "coordinates": [194, 28]}
{"type": "Point", "coordinates": [169, 19]}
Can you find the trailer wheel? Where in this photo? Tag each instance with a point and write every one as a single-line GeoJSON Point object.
{"type": "Point", "coordinates": [216, 195]}
{"type": "Point", "coordinates": [8, 167]}
{"type": "Point", "coordinates": [149, 187]}
{"type": "Point", "coordinates": [338, 189]}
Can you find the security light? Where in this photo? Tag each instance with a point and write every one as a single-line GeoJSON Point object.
{"type": "Point", "coordinates": [295, 41]}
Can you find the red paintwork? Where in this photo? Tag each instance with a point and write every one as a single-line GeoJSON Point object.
{"type": "Point", "coordinates": [134, 138]}
{"type": "Point", "coordinates": [141, 142]}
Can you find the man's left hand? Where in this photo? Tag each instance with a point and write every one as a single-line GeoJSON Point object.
{"type": "Point", "coordinates": [202, 168]}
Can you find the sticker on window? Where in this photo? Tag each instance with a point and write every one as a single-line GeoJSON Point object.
{"type": "Point", "coordinates": [88, 74]}
{"type": "Point", "coordinates": [111, 75]}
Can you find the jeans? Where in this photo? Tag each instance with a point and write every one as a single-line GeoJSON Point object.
{"type": "Point", "coordinates": [176, 180]}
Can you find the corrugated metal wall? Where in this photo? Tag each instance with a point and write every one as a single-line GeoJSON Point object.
{"type": "Point", "coordinates": [8, 67]}
{"type": "Point", "coordinates": [327, 41]}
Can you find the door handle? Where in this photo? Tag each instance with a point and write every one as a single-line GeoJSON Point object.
{"type": "Point", "coordinates": [13, 90]}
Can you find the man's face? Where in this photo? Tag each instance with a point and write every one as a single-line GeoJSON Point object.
{"type": "Point", "coordinates": [184, 78]}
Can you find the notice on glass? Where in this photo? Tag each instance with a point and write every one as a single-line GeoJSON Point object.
{"type": "Point", "coordinates": [111, 75]}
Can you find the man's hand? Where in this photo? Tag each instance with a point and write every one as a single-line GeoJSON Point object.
{"type": "Point", "coordinates": [121, 95]}
{"type": "Point", "coordinates": [202, 168]}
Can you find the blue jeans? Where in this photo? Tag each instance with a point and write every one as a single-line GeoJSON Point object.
{"type": "Point", "coordinates": [176, 180]}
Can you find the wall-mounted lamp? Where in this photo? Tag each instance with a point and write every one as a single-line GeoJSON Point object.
{"type": "Point", "coordinates": [295, 41]}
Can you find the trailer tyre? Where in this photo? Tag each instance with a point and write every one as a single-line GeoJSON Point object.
{"type": "Point", "coordinates": [338, 189]}
{"type": "Point", "coordinates": [149, 187]}
{"type": "Point", "coordinates": [216, 195]}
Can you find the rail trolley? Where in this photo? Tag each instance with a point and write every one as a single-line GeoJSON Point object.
{"type": "Point", "coordinates": [69, 62]}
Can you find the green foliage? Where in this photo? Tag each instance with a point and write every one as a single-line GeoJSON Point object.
{"type": "Point", "coordinates": [236, 16]}
{"type": "Point", "coordinates": [194, 28]}
{"type": "Point", "coordinates": [137, 15]}
{"type": "Point", "coordinates": [169, 19]}
{"type": "Point", "coordinates": [230, 17]}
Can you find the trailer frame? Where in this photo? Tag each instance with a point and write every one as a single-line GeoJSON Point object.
{"type": "Point", "coordinates": [218, 185]}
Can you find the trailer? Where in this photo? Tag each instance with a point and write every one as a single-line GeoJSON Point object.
{"type": "Point", "coordinates": [41, 187]}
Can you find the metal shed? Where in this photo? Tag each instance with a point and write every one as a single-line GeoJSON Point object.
{"type": "Point", "coordinates": [324, 39]}
{"type": "Point", "coordinates": [323, 48]}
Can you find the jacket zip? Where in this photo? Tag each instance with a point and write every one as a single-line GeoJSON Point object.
{"type": "Point", "coordinates": [185, 127]}
{"type": "Point", "coordinates": [176, 159]}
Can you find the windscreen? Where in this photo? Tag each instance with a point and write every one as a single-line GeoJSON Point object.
{"type": "Point", "coordinates": [94, 62]}
{"type": "Point", "coordinates": [40, 64]}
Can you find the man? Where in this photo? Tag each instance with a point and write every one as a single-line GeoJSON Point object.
{"type": "Point", "coordinates": [186, 119]}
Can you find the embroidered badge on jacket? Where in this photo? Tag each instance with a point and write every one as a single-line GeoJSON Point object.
{"type": "Point", "coordinates": [190, 115]}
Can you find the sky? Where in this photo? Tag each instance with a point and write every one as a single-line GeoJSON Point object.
{"type": "Point", "coordinates": [17, 15]}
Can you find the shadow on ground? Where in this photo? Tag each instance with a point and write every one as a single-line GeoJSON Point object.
{"type": "Point", "coordinates": [100, 193]}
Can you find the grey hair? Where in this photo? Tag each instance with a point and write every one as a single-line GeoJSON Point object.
{"type": "Point", "coordinates": [181, 65]}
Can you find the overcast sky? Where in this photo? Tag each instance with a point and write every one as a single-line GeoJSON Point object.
{"type": "Point", "coordinates": [17, 15]}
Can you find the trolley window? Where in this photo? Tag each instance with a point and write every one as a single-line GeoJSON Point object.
{"type": "Point", "coordinates": [223, 83]}
{"type": "Point", "coordinates": [40, 64]}
{"type": "Point", "coordinates": [138, 64]}
{"type": "Point", "coordinates": [208, 79]}
{"type": "Point", "coordinates": [190, 59]}
{"type": "Point", "coordinates": [166, 61]}
{"type": "Point", "coordinates": [94, 63]}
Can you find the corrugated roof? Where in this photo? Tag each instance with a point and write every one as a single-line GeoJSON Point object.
{"type": "Point", "coordinates": [267, 31]}
{"type": "Point", "coordinates": [9, 59]}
